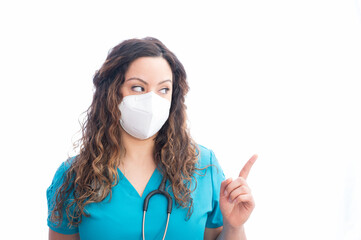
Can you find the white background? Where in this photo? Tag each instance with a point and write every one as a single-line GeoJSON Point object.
{"type": "Point", "coordinates": [277, 78]}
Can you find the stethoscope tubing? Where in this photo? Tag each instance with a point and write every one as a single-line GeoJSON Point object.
{"type": "Point", "coordinates": [160, 190]}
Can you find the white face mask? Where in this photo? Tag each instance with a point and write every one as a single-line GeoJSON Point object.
{"type": "Point", "coordinates": [143, 115]}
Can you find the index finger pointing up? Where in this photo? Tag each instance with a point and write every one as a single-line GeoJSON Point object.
{"type": "Point", "coordinates": [247, 167]}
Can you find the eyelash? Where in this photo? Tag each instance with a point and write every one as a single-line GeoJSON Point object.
{"type": "Point", "coordinates": [142, 89]}
{"type": "Point", "coordinates": [166, 90]}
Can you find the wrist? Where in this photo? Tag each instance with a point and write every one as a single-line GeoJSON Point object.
{"type": "Point", "coordinates": [229, 227]}
{"type": "Point", "coordinates": [232, 232]}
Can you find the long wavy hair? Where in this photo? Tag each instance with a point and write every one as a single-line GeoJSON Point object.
{"type": "Point", "coordinates": [93, 172]}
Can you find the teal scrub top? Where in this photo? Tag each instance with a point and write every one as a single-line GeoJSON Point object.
{"type": "Point", "coordinates": [121, 217]}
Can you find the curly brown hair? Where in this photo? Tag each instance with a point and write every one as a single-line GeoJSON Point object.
{"type": "Point", "coordinates": [93, 172]}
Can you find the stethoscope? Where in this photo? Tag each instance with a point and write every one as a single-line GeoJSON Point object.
{"type": "Point", "coordinates": [160, 190]}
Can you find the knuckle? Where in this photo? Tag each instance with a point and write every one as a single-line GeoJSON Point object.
{"type": "Point", "coordinates": [247, 189]}
{"type": "Point", "coordinates": [243, 189]}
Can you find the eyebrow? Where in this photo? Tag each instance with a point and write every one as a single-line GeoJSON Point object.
{"type": "Point", "coordinates": [139, 79]}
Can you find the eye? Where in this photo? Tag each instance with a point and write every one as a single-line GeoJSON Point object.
{"type": "Point", "coordinates": [164, 90]}
{"type": "Point", "coordinates": [137, 89]}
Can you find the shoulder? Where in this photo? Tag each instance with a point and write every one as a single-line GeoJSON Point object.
{"type": "Point", "coordinates": [209, 168]}
{"type": "Point", "coordinates": [58, 180]}
{"type": "Point", "coordinates": [64, 167]}
{"type": "Point", "coordinates": [60, 173]}
{"type": "Point", "coordinates": [206, 157]}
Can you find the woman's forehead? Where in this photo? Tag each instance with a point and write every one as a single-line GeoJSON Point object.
{"type": "Point", "coordinates": [148, 68]}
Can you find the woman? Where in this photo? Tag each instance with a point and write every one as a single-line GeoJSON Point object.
{"type": "Point", "coordinates": [135, 137]}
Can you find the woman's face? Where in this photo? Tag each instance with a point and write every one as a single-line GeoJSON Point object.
{"type": "Point", "coordinates": [147, 74]}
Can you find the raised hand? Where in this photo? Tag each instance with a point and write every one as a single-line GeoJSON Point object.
{"type": "Point", "coordinates": [236, 201]}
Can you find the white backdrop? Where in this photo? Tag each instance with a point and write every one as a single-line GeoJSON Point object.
{"type": "Point", "coordinates": [277, 78]}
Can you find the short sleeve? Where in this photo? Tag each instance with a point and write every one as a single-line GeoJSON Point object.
{"type": "Point", "coordinates": [215, 218]}
{"type": "Point", "coordinates": [58, 179]}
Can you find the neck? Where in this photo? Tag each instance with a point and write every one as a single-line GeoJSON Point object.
{"type": "Point", "coordinates": [137, 151]}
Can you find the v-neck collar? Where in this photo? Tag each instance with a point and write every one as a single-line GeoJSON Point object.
{"type": "Point", "coordinates": [152, 181]}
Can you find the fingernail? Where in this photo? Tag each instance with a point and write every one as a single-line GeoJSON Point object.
{"type": "Point", "coordinates": [225, 192]}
